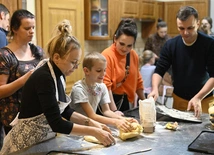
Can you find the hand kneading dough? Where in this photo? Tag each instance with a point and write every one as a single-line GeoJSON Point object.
{"type": "Point", "coordinates": [137, 129]}
{"type": "Point", "coordinates": [92, 139]}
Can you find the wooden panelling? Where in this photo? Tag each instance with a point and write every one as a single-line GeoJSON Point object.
{"type": "Point", "coordinates": [52, 12]}
{"type": "Point", "coordinates": [12, 5]}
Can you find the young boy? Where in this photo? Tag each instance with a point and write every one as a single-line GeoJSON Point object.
{"type": "Point", "coordinates": [90, 92]}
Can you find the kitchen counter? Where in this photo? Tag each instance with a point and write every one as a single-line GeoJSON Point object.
{"type": "Point", "coordinates": [161, 142]}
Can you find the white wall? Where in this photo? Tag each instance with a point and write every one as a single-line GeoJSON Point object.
{"type": "Point", "coordinates": [212, 12]}
{"type": "Point", "coordinates": [30, 6]}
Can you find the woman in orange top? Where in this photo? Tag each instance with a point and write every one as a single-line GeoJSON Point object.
{"type": "Point", "coordinates": [122, 77]}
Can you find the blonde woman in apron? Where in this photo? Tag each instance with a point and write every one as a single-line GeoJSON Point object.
{"type": "Point", "coordinates": [44, 108]}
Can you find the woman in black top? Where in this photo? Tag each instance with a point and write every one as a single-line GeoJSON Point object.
{"type": "Point", "coordinates": [45, 104]}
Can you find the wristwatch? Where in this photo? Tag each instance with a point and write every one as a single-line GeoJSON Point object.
{"type": "Point", "coordinates": [87, 120]}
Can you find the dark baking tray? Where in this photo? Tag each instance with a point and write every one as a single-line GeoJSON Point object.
{"type": "Point", "coordinates": [204, 143]}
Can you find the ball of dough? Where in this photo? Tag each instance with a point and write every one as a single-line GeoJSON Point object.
{"type": "Point", "coordinates": [137, 130]}
{"type": "Point", "coordinates": [211, 111]}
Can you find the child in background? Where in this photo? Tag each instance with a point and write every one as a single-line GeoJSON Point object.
{"type": "Point", "coordinates": [147, 70]}
{"type": "Point", "coordinates": [87, 94]}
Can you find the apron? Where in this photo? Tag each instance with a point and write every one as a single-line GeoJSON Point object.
{"type": "Point", "coordinates": [29, 131]}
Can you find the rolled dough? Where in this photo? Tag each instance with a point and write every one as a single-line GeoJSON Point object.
{"type": "Point", "coordinates": [92, 139]}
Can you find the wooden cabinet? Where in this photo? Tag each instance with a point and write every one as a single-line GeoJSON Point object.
{"type": "Point", "coordinates": [171, 9]}
{"type": "Point", "coordinates": [96, 29]}
{"type": "Point", "coordinates": [147, 9]}
{"type": "Point", "coordinates": [49, 14]}
{"type": "Point", "coordinates": [202, 6]}
{"type": "Point", "coordinates": [114, 16]}
{"type": "Point", "coordinates": [97, 19]}
{"type": "Point", "coordinates": [141, 9]}
{"type": "Point", "coordinates": [130, 8]}
{"type": "Point", "coordinates": [152, 11]}
{"type": "Point", "coordinates": [101, 18]}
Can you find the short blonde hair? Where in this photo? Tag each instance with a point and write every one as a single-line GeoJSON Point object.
{"type": "Point", "coordinates": [90, 58]}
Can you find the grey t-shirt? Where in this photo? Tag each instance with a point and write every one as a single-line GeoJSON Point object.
{"type": "Point", "coordinates": [82, 93]}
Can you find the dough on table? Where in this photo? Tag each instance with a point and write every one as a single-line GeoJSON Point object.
{"type": "Point", "coordinates": [92, 139]}
{"type": "Point", "coordinates": [137, 130]}
{"type": "Point", "coordinates": [211, 113]}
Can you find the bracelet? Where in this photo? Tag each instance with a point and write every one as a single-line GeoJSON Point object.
{"type": "Point", "coordinates": [87, 121]}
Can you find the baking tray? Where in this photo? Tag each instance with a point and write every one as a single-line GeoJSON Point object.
{"type": "Point", "coordinates": [165, 114]}
{"type": "Point", "coordinates": [171, 114]}
{"type": "Point", "coordinates": [204, 143]}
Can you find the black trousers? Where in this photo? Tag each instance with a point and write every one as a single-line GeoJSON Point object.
{"type": "Point", "coordinates": [125, 102]}
{"type": "Point", "coordinates": [1, 135]}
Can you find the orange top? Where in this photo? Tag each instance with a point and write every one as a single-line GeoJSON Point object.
{"type": "Point", "coordinates": [115, 73]}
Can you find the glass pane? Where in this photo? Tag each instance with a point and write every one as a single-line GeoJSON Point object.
{"type": "Point", "coordinates": [95, 17]}
{"type": "Point", "coordinates": [104, 4]}
{"type": "Point", "coordinates": [95, 4]}
{"type": "Point", "coordinates": [104, 17]}
{"type": "Point", "coordinates": [99, 18]}
{"type": "Point", "coordinates": [104, 30]}
{"type": "Point", "coordinates": [95, 31]}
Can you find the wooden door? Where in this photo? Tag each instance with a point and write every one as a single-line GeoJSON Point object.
{"type": "Point", "coordinates": [198, 5]}
{"type": "Point", "coordinates": [51, 12]}
{"type": "Point", "coordinates": [12, 5]}
{"type": "Point", "coordinates": [170, 11]}
{"type": "Point", "coordinates": [114, 16]}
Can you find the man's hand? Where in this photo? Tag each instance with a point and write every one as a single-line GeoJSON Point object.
{"type": "Point", "coordinates": [196, 104]}
{"type": "Point", "coordinates": [154, 94]}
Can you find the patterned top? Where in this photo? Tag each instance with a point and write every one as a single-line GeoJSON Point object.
{"type": "Point", "coordinates": [81, 93]}
{"type": "Point", "coordinates": [10, 65]}
{"type": "Point", "coordinates": [155, 43]}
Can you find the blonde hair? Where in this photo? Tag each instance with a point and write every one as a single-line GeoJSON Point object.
{"type": "Point", "coordinates": [90, 58]}
{"type": "Point", "coordinates": [147, 56]}
{"type": "Point", "coordinates": [63, 42]}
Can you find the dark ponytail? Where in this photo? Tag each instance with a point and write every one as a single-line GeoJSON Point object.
{"type": "Point", "coordinates": [128, 27]}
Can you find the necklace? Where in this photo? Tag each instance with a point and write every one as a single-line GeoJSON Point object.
{"type": "Point", "coordinates": [187, 44]}
{"type": "Point", "coordinates": [93, 90]}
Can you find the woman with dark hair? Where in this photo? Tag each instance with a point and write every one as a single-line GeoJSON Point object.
{"type": "Point", "coordinates": [206, 26]}
{"type": "Point", "coordinates": [17, 62]}
{"type": "Point", "coordinates": [156, 41]}
{"type": "Point", "coordinates": [122, 77]}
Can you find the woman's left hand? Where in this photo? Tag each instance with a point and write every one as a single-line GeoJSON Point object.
{"type": "Point", "coordinates": [99, 125]}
